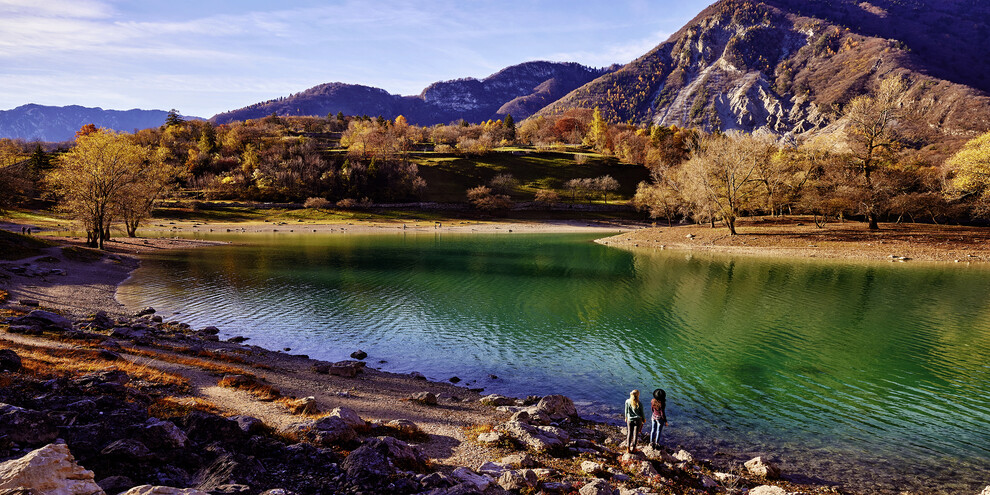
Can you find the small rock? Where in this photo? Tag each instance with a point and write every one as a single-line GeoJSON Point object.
{"type": "Point", "coordinates": [493, 469]}
{"type": "Point", "coordinates": [490, 437]}
{"type": "Point", "coordinates": [768, 490]}
{"type": "Point", "coordinates": [29, 302]}
{"type": "Point", "coordinates": [644, 469]}
{"type": "Point", "coordinates": [597, 486]}
{"type": "Point", "coordinates": [729, 478]}
{"type": "Point", "coordinates": [238, 339]}
{"type": "Point", "coordinates": [592, 467]}
{"type": "Point", "coordinates": [162, 490]}
{"type": "Point", "coordinates": [9, 360]}
{"type": "Point", "coordinates": [405, 426]}
{"type": "Point", "coordinates": [708, 482]}
{"type": "Point", "coordinates": [115, 484]}
{"type": "Point", "coordinates": [518, 480]}
{"type": "Point", "coordinates": [480, 482]}
{"type": "Point", "coordinates": [428, 398]}
{"type": "Point", "coordinates": [211, 330]}
{"type": "Point", "coordinates": [305, 405]}
{"type": "Point", "coordinates": [26, 426]}
{"type": "Point", "coordinates": [359, 354]}
{"type": "Point", "coordinates": [556, 407]}
{"type": "Point", "coordinates": [146, 311]}
{"type": "Point", "coordinates": [345, 369]}
{"type": "Point", "coordinates": [349, 416]}
{"type": "Point", "coordinates": [758, 466]}
{"type": "Point", "coordinates": [521, 416]}
{"type": "Point", "coordinates": [496, 400]}
{"type": "Point", "coordinates": [417, 375]}
{"type": "Point", "coordinates": [128, 449]}
{"type": "Point", "coordinates": [633, 456]}
{"type": "Point", "coordinates": [454, 379]}
{"type": "Point", "coordinates": [320, 367]}
{"type": "Point", "coordinates": [683, 456]}
{"type": "Point", "coordinates": [249, 424]}
{"type": "Point", "coordinates": [521, 460]}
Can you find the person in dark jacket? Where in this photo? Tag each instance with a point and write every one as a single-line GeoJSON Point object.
{"type": "Point", "coordinates": [634, 420]}
{"type": "Point", "coordinates": [659, 407]}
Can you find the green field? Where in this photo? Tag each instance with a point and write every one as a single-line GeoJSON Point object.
{"type": "Point", "coordinates": [448, 177]}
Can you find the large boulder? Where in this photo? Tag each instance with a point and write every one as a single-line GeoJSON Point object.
{"type": "Point", "coordinates": [328, 431]}
{"type": "Point", "coordinates": [44, 319]}
{"type": "Point", "coordinates": [538, 438]}
{"type": "Point", "coordinates": [427, 398]}
{"type": "Point", "coordinates": [50, 470]}
{"type": "Point", "coordinates": [597, 486]}
{"type": "Point", "coordinates": [758, 466]}
{"type": "Point", "coordinates": [556, 407]}
{"type": "Point", "coordinates": [405, 426]}
{"type": "Point", "coordinates": [162, 490]}
{"type": "Point", "coordinates": [26, 426]}
{"type": "Point", "coordinates": [495, 400]}
{"type": "Point", "coordinates": [349, 416]}
{"type": "Point", "coordinates": [477, 481]}
{"type": "Point", "coordinates": [377, 459]}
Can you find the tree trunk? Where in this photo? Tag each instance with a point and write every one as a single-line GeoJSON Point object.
{"type": "Point", "coordinates": [731, 222]}
{"type": "Point", "coordinates": [874, 225]}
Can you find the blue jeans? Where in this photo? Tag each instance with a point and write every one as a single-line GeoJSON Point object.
{"type": "Point", "coordinates": [656, 426]}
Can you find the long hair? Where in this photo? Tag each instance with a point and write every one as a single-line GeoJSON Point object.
{"type": "Point", "coordinates": [634, 397]}
{"type": "Point", "coordinates": [661, 396]}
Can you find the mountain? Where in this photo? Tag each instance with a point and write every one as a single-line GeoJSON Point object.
{"type": "Point", "coordinates": [520, 90]}
{"type": "Point", "coordinates": [790, 66]}
{"type": "Point", "coordinates": [47, 123]}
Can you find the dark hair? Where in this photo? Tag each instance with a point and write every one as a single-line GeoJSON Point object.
{"type": "Point", "coordinates": [660, 395]}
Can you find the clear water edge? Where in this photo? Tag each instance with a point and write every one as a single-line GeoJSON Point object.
{"type": "Point", "coordinates": [814, 363]}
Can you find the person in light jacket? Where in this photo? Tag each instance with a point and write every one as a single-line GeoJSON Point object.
{"type": "Point", "coordinates": [634, 420]}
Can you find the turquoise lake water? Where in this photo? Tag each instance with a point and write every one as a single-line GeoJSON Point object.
{"type": "Point", "coordinates": [876, 376]}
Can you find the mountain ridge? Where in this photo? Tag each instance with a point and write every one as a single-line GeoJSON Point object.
{"type": "Point", "coordinates": [60, 123]}
{"type": "Point", "coordinates": [752, 66]}
{"type": "Point", "coordinates": [517, 89]}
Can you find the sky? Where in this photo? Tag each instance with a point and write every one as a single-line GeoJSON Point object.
{"type": "Point", "coordinates": [209, 56]}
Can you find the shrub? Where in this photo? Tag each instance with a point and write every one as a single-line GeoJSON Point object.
{"type": "Point", "coordinates": [317, 203]}
{"type": "Point", "coordinates": [548, 197]}
{"type": "Point", "coordinates": [347, 203]}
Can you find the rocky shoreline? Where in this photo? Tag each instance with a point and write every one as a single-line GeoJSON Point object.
{"type": "Point", "coordinates": [134, 433]}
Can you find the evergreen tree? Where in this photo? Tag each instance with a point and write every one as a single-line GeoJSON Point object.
{"type": "Point", "coordinates": [510, 127]}
{"type": "Point", "coordinates": [173, 118]}
{"type": "Point", "coordinates": [40, 162]}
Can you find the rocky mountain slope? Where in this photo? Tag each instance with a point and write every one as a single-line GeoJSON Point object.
{"type": "Point", "coordinates": [48, 123]}
{"type": "Point", "coordinates": [520, 90]}
{"type": "Point", "coordinates": [790, 66]}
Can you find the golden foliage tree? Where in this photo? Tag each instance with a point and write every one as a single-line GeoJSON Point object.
{"type": "Point", "coordinates": [971, 166]}
{"type": "Point", "coordinates": [94, 177]}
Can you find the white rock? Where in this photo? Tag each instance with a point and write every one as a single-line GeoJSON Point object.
{"type": "Point", "coordinates": [643, 468]}
{"type": "Point", "coordinates": [636, 491]}
{"type": "Point", "coordinates": [768, 490]}
{"type": "Point", "coordinates": [556, 406]}
{"type": "Point", "coordinates": [727, 478]}
{"type": "Point", "coordinates": [758, 466]}
{"type": "Point", "coordinates": [597, 486]}
{"type": "Point", "coordinates": [683, 456]}
{"type": "Point", "coordinates": [479, 481]}
{"type": "Point", "coordinates": [405, 426]}
{"type": "Point", "coordinates": [162, 490]}
{"type": "Point", "coordinates": [493, 469]}
{"type": "Point", "coordinates": [50, 470]}
{"type": "Point", "coordinates": [591, 467]}
{"type": "Point", "coordinates": [490, 437]}
{"type": "Point", "coordinates": [986, 491]}
{"type": "Point", "coordinates": [349, 416]}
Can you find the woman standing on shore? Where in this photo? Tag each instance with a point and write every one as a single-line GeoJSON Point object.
{"type": "Point", "coordinates": [659, 407]}
{"type": "Point", "coordinates": [634, 420]}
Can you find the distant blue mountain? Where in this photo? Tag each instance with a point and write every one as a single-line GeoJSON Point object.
{"type": "Point", "coordinates": [47, 123]}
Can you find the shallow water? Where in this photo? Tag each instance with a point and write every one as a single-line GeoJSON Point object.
{"type": "Point", "coordinates": [873, 375]}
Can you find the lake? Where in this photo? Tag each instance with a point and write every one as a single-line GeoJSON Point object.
{"type": "Point", "coordinates": [873, 375]}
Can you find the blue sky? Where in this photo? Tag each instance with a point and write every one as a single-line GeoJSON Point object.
{"type": "Point", "coordinates": [204, 57]}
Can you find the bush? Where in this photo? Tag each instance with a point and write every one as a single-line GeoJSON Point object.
{"type": "Point", "coordinates": [481, 197]}
{"type": "Point", "coordinates": [347, 203]}
{"type": "Point", "coordinates": [548, 197]}
{"type": "Point", "coordinates": [317, 203]}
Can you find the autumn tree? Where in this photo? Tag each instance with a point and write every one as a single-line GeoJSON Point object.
{"type": "Point", "coordinates": [503, 184]}
{"type": "Point", "coordinates": [13, 174]}
{"type": "Point", "coordinates": [597, 136]}
{"type": "Point", "coordinates": [720, 177]}
{"type": "Point", "coordinates": [873, 138]}
{"type": "Point", "coordinates": [94, 176]}
{"type": "Point", "coordinates": [971, 166]}
{"type": "Point", "coordinates": [605, 184]}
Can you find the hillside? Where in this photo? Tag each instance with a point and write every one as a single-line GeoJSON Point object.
{"type": "Point", "coordinates": [520, 90]}
{"type": "Point", "coordinates": [789, 66]}
{"type": "Point", "coordinates": [48, 123]}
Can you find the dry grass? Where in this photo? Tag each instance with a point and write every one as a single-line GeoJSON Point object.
{"type": "Point", "coordinates": [171, 407]}
{"type": "Point", "coordinates": [252, 385]}
{"type": "Point", "coordinates": [45, 362]}
{"type": "Point", "coordinates": [187, 361]}
{"type": "Point", "coordinates": [3, 295]}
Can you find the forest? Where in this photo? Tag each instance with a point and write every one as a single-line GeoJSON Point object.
{"type": "Point", "coordinates": [865, 170]}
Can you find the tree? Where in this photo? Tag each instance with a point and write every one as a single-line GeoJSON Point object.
{"type": "Point", "coordinates": [173, 119]}
{"type": "Point", "coordinates": [93, 177]}
{"type": "Point", "coordinates": [597, 136]}
{"type": "Point", "coordinates": [138, 197]}
{"type": "Point", "coordinates": [873, 137]}
{"type": "Point", "coordinates": [510, 127]}
{"type": "Point", "coordinates": [503, 184]}
{"type": "Point", "coordinates": [605, 184]}
{"type": "Point", "coordinates": [971, 166]}
{"type": "Point", "coordinates": [720, 177]}
{"type": "Point", "coordinates": [481, 197]}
